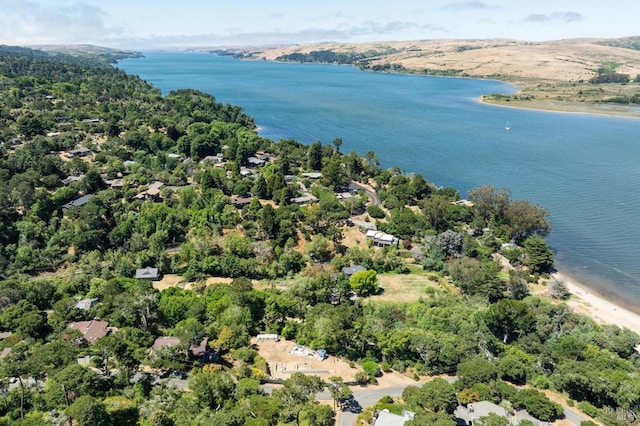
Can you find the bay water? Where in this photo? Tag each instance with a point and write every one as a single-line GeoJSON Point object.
{"type": "Point", "coordinates": [583, 168]}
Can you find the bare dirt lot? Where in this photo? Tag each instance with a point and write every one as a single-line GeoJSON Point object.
{"type": "Point", "coordinates": [171, 280]}
{"type": "Point", "coordinates": [283, 363]}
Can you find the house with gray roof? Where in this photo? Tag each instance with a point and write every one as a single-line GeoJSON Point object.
{"type": "Point", "coordinates": [386, 418]}
{"type": "Point", "coordinates": [148, 273]}
{"type": "Point", "coordinates": [305, 199]}
{"type": "Point", "coordinates": [78, 202]}
{"type": "Point", "coordinates": [352, 269]}
{"type": "Point", "coordinates": [78, 152]}
{"type": "Point", "coordinates": [86, 304]}
{"type": "Point", "coordinates": [70, 179]}
{"type": "Point", "coordinates": [381, 239]}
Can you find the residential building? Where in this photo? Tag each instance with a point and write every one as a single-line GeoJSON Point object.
{"type": "Point", "coordinates": [148, 273]}
{"type": "Point", "coordinates": [91, 330]}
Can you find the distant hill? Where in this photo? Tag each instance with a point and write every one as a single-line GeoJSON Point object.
{"type": "Point", "coordinates": [88, 51]}
{"type": "Point", "coordinates": [560, 60]}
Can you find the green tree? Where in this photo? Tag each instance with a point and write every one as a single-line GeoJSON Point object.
{"type": "Point", "coordinates": [30, 126]}
{"type": "Point", "coordinates": [538, 256]}
{"type": "Point", "coordinates": [87, 411]}
{"type": "Point", "coordinates": [431, 419]}
{"type": "Point", "coordinates": [337, 143]}
{"type": "Point", "coordinates": [493, 419]}
{"type": "Point", "coordinates": [476, 370]}
{"type": "Point", "coordinates": [525, 218]}
{"type": "Point", "coordinates": [438, 395]}
{"type": "Point", "coordinates": [297, 392]}
{"type": "Point", "coordinates": [538, 405]}
{"type": "Point", "coordinates": [509, 319]}
{"type": "Point", "coordinates": [334, 174]}
{"type": "Point", "coordinates": [364, 283]}
{"type": "Point", "coordinates": [340, 391]}
{"type": "Point", "coordinates": [488, 204]}
{"type": "Point", "coordinates": [314, 156]}
{"type": "Point", "coordinates": [212, 389]}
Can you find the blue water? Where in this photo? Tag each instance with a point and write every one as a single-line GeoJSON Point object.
{"type": "Point", "coordinates": [582, 168]}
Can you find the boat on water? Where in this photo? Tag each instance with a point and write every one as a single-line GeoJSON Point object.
{"type": "Point", "coordinates": [507, 126]}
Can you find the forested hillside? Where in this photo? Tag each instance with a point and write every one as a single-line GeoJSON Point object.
{"type": "Point", "coordinates": [107, 186]}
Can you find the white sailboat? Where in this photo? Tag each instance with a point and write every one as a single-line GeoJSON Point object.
{"type": "Point", "coordinates": [507, 126]}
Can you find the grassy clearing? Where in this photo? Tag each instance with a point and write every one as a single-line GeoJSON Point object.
{"type": "Point", "coordinates": [406, 287]}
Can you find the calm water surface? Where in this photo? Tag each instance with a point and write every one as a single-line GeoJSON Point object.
{"type": "Point", "coordinates": [582, 168]}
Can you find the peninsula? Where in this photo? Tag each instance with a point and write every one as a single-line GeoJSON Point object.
{"type": "Point", "coordinates": [590, 75]}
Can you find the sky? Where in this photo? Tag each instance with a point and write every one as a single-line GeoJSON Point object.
{"type": "Point", "coordinates": [150, 24]}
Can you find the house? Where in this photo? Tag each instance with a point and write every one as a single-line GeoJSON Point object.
{"type": "Point", "coordinates": [381, 239]}
{"type": "Point", "coordinates": [78, 202]}
{"type": "Point", "coordinates": [78, 152]}
{"type": "Point", "coordinates": [312, 175]}
{"type": "Point", "coordinates": [238, 201]}
{"type": "Point", "coordinates": [385, 418]}
{"type": "Point", "coordinates": [463, 202]}
{"type": "Point", "coordinates": [209, 159]}
{"type": "Point", "coordinates": [70, 179]}
{"type": "Point", "coordinates": [350, 270]}
{"type": "Point", "coordinates": [469, 415]}
{"type": "Point", "coordinates": [148, 273]}
{"type": "Point", "coordinates": [15, 142]}
{"type": "Point", "coordinates": [305, 199]}
{"type": "Point", "coordinates": [255, 161]}
{"type": "Point", "coordinates": [91, 330]}
{"type": "Point", "coordinates": [267, 338]}
{"type": "Point", "coordinates": [200, 350]}
{"type": "Point", "coordinates": [91, 120]}
{"type": "Point", "coordinates": [244, 172]}
{"type": "Point", "coordinates": [165, 342]}
{"type": "Point", "coordinates": [86, 304]}
{"type": "Point", "coordinates": [151, 194]}
{"type": "Point", "coordinates": [116, 183]}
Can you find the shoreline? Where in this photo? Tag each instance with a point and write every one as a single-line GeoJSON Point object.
{"type": "Point", "coordinates": [587, 109]}
{"type": "Point", "coordinates": [585, 301]}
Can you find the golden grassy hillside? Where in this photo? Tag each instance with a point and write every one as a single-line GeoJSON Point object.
{"type": "Point", "coordinates": [562, 60]}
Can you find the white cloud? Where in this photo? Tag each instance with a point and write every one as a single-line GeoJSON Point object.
{"type": "Point", "coordinates": [469, 5]}
{"type": "Point", "coordinates": [556, 17]}
{"type": "Point", "coordinates": [27, 22]}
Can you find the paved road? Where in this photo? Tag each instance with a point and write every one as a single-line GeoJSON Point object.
{"type": "Point", "coordinates": [373, 198]}
{"type": "Point", "coordinates": [367, 397]}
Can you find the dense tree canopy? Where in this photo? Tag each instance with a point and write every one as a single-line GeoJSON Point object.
{"type": "Point", "coordinates": [176, 182]}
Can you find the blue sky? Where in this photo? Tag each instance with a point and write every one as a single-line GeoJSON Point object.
{"type": "Point", "coordinates": [145, 24]}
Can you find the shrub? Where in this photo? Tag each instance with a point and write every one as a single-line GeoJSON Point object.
{"type": "Point", "coordinates": [245, 354]}
{"type": "Point", "coordinates": [588, 408]}
{"type": "Point", "coordinates": [361, 378]}
{"type": "Point", "coordinates": [541, 382]}
{"type": "Point", "coordinates": [371, 368]}
{"type": "Point", "coordinates": [399, 366]}
{"type": "Point", "coordinates": [384, 366]}
{"type": "Point", "coordinates": [375, 212]}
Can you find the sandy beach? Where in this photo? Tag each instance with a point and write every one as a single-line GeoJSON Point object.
{"type": "Point", "coordinates": [584, 301]}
